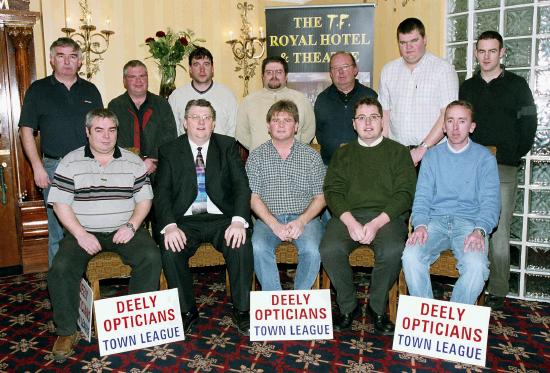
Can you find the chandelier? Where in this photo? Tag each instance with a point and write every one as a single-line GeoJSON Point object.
{"type": "Point", "coordinates": [93, 44]}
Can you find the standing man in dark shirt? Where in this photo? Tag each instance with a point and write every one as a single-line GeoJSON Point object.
{"type": "Point", "coordinates": [146, 120]}
{"type": "Point", "coordinates": [56, 106]}
{"type": "Point", "coordinates": [506, 117]}
{"type": "Point", "coordinates": [334, 106]}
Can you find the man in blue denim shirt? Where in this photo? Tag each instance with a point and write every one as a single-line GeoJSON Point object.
{"type": "Point", "coordinates": [456, 205]}
{"type": "Point", "coordinates": [286, 178]}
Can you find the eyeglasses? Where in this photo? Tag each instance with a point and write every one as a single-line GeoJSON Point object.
{"type": "Point", "coordinates": [196, 118]}
{"type": "Point", "coordinates": [369, 119]}
{"type": "Point", "coordinates": [274, 72]}
{"type": "Point", "coordinates": [341, 68]}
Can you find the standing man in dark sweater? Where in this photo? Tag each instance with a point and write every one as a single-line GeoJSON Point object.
{"type": "Point", "coordinates": [146, 120]}
{"type": "Point", "coordinates": [334, 106]}
{"type": "Point", "coordinates": [369, 188]}
{"type": "Point", "coordinates": [506, 117]}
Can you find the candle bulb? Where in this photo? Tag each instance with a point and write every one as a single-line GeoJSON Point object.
{"type": "Point", "coordinates": [261, 32]}
{"type": "Point", "coordinates": [67, 21]}
{"type": "Point", "coordinates": [107, 23]}
{"type": "Point", "coordinates": [250, 32]}
{"type": "Point", "coordinates": [231, 35]}
{"type": "Point", "coordinates": [88, 19]}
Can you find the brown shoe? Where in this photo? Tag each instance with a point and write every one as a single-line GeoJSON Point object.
{"type": "Point", "coordinates": [63, 346]}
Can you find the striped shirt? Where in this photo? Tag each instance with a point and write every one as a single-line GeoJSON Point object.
{"type": "Point", "coordinates": [103, 198]}
{"type": "Point", "coordinates": [415, 98]}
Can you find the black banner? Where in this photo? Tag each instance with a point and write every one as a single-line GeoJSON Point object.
{"type": "Point", "coordinates": [307, 36]}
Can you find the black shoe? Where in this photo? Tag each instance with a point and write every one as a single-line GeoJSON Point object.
{"type": "Point", "coordinates": [346, 319]}
{"type": "Point", "coordinates": [189, 319]}
{"type": "Point", "coordinates": [382, 326]}
{"type": "Point", "coordinates": [494, 301]}
{"type": "Point", "coordinates": [241, 319]}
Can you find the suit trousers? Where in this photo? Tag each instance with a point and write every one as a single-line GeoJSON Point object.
{"type": "Point", "coordinates": [388, 246]}
{"type": "Point", "coordinates": [70, 262]}
{"type": "Point", "coordinates": [209, 228]}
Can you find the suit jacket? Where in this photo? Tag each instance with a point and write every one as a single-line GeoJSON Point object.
{"type": "Point", "coordinates": [176, 181]}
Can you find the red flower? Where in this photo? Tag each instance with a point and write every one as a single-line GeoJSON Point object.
{"type": "Point", "coordinates": [149, 40]}
{"type": "Point", "coordinates": [184, 41]}
{"type": "Point", "coordinates": [160, 34]}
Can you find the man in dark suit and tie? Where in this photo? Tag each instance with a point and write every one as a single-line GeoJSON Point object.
{"type": "Point", "coordinates": [202, 195]}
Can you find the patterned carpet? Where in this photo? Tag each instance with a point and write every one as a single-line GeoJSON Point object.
{"type": "Point", "coordinates": [519, 340]}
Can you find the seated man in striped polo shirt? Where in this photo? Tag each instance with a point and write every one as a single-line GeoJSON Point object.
{"type": "Point", "coordinates": [101, 194]}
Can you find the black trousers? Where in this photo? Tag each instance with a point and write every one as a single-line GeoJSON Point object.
{"type": "Point", "coordinates": [69, 264]}
{"type": "Point", "coordinates": [209, 228]}
{"type": "Point", "coordinates": [388, 246]}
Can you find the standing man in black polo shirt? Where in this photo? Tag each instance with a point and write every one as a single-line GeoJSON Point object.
{"type": "Point", "coordinates": [334, 106]}
{"type": "Point", "coordinates": [506, 117]}
{"type": "Point", "coordinates": [56, 106]}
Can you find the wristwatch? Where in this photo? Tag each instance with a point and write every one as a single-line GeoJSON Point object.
{"type": "Point", "coordinates": [424, 145]}
{"type": "Point", "coordinates": [131, 226]}
{"type": "Point", "coordinates": [481, 231]}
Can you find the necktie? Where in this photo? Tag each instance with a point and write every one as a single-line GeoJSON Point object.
{"type": "Point", "coordinates": [199, 206]}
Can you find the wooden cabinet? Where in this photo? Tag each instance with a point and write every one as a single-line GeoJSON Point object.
{"type": "Point", "coordinates": [23, 222]}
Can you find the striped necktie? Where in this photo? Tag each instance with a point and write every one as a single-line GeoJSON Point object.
{"type": "Point", "coordinates": [199, 206]}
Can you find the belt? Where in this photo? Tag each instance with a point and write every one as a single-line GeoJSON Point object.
{"type": "Point", "coordinates": [51, 157]}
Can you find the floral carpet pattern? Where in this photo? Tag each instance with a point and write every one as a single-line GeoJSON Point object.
{"type": "Point", "coordinates": [519, 340]}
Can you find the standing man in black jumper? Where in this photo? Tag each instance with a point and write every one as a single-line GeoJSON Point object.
{"type": "Point", "coordinates": [506, 118]}
{"type": "Point", "coordinates": [334, 106]}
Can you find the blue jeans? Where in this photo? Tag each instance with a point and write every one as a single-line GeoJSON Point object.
{"type": "Point", "coordinates": [55, 230]}
{"type": "Point", "coordinates": [264, 243]}
{"type": "Point", "coordinates": [473, 267]}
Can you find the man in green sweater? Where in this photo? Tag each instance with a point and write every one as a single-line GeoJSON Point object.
{"type": "Point", "coordinates": [369, 188]}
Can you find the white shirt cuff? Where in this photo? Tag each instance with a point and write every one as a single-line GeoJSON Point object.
{"type": "Point", "coordinates": [239, 219]}
{"type": "Point", "coordinates": [164, 229]}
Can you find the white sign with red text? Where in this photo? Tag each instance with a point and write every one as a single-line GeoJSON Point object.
{"type": "Point", "coordinates": [441, 329]}
{"type": "Point", "coordinates": [85, 310]}
{"type": "Point", "coordinates": [137, 321]}
{"type": "Point", "coordinates": [290, 315]}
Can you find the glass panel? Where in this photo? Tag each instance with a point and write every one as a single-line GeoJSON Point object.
{"type": "Point", "coordinates": [524, 73]}
{"type": "Point", "coordinates": [521, 173]}
{"type": "Point", "coordinates": [537, 286]}
{"type": "Point", "coordinates": [457, 56]}
{"type": "Point", "coordinates": [517, 2]}
{"type": "Point", "coordinates": [485, 21]}
{"type": "Point", "coordinates": [515, 256]}
{"type": "Point", "coordinates": [540, 173]}
{"type": "Point", "coordinates": [538, 259]}
{"type": "Point", "coordinates": [484, 4]}
{"type": "Point", "coordinates": [515, 228]}
{"type": "Point", "coordinates": [518, 22]}
{"type": "Point", "coordinates": [519, 200]}
{"type": "Point", "coordinates": [539, 203]}
{"type": "Point", "coordinates": [461, 76]}
{"type": "Point", "coordinates": [544, 20]}
{"type": "Point", "coordinates": [457, 6]}
{"type": "Point", "coordinates": [518, 53]}
{"type": "Point", "coordinates": [514, 283]}
{"type": "Point", "coordinates": [543, 52]}
{"type": "Point", "coordinates": [542, 143]}
{"type": "Point", "coordinates": [542, 82]}
{"type": "Point", "coordinates": [543, 111]}
{"type": "Point", "coordinates": [538, 230]}
{"type": "Point", "coordinates": [457, 29]}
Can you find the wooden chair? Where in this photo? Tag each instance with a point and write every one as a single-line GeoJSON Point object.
{"type": "Point", "coordinates": [363, 256]}
{"type": "Point", "coordinates": [106, 265]}
{"type": "Point", "coordinates": [207, 256]}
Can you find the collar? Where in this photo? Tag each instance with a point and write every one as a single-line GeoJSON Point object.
{"type": "Point", "coordinates": [54, 81]}
{"type": "Point", "coordinates": [376, 142]}
{"type": "Point", "coordinates": [88, 152]}
{"type": "Point", "coordinates": [420, 62]}
{"type": "Point", "coordinates": [204, 147]}
{"type": "Point", "coordinates": [478, 73]}
{"type": "Point", "coordinates": [202, 92]}
{"type": "Point", "coordinates": [144, 104]}
{"type": "Point", "coordinates": [458, 151]}
{"type": "Point", "coordinates": [350, 93]}
{"type": "Point", "coordinates": [274, 91]}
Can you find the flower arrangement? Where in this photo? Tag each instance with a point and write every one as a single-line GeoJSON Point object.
{"type": "Point", "coordinates": [169, 49]}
